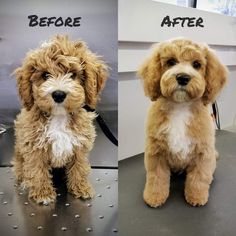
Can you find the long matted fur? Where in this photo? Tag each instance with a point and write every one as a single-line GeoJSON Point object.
{"type": "Point", "coordinates": [57, 134]}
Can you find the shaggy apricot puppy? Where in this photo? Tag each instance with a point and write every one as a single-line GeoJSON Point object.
{"type": "Point", "coordinates": [182, 78]}
{"type": "Point", "coordinates": [53, 129]}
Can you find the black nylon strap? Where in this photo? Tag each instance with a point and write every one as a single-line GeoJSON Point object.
{"type": "Point", "coordinates": [103, 125]}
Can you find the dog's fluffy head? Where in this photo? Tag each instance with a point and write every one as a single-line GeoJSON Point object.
{"type": "Point", "coordinates": [177, 57]}
{"type": "Point", "coordinates": [61, 65]}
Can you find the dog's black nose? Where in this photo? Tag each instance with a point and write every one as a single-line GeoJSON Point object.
{"type": "Point", "coordinates": [58, 96]}
{"type": "Point", "coordinates": [183, 79]}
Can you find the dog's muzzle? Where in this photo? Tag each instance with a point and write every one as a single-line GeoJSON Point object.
{"type": "Point", "coordinates": [183, 79]}
{"type": "Point", "coordinates": [58, 96]}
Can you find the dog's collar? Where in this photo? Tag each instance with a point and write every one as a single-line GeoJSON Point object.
{"type": "Point", "coordinates": [88, 108]}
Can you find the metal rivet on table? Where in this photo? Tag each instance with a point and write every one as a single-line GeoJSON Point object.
{"type": "Point", "coordinates": [115, 230]}
{"type": "Point", "coordinates": [99, 195]}
{"type": "Point", "coordinates": [89, 229]}
{"type": "Point", "coordinates": [54, 215]}
{"type": "Point", "coordinates": [111, 205]}
{"type": "Point", "coordinates": [89, 205]}
{"type": "Point", "coordinates": [39, 227]}
{"type": "Point", "coordinates": [20, 193]}
{"type": "Point", "coordinates": [101, 217]}
{"type": "Point", "coordinates": [77, 216]}
{"type": "Point", "coordinates": [106, 173]}
{"type": "Point", "coordinates": [116, 179]}
{"type": "Point", "coordinates": [4, 203]}
{"type": "Point", "coordinates": [58, 194]}
{"type": "Point", "coordinates": [1, 193]}
{"type": "Point", "coordinates": [26, 203]}
{"type": "Point", "coordinates": [108, 186]}
{"type": "Point", "coordinates": [67, 204]}
{"type": "Point", "coordinates": [63, 228]}
{"type": "Point", "coordinates": [97, 179]}
{"type": "Point", "coordinates": [11, 177]}
{"type": "Point", "coordinates": [15, 227]}
{"type": "Point", "coordinates": [9, 214]}
{"type": "Point", "coordinates": [32, 214]}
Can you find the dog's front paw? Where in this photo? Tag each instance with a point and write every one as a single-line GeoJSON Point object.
{"type": "Point", "coordinates": [155, 199]}
{"type": "Point", "coordinates": [84, 191]}
{"type": "Point", "coordinates": [196, 197]}
{"type": "Point", "coordinates": [45, 196]}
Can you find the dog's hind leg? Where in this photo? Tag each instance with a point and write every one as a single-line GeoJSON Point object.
{"type": "Point", "coordinates": [17, 163]}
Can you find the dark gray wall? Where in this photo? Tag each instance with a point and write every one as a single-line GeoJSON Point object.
{"type": "Point", "coordinates": [98, 28]}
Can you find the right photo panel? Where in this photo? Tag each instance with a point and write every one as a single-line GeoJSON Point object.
{"type": "Point", "coordinates": [177, 118]}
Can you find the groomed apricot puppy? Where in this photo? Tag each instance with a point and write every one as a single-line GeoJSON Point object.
{"type": "Point", "coordinates": [182, 78]}
{"type": "Point", "coordinates": [53, 129]}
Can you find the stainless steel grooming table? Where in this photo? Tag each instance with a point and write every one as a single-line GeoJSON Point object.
{"type": "Point", "coordinates": [68, 216]}
{"type": "Point", "coordinates": [176, 217]}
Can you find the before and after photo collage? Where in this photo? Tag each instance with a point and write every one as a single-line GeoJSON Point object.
{"type": "Point", "coordinates": [118, 117]}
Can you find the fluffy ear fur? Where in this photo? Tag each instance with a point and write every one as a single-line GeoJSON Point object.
{"type": "Point", "coordinates": [216, 75]}
{"type": "Point", "coordinates": [150, 72]}
{"type": "Point", "coordinates": [23, 75]}
{"type": "Point", "coordinates": [95, 73]}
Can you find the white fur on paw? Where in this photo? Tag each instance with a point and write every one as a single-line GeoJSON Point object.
{"type": "Point", "coordinates": [46, 201]}
{"type": "Point", "coordinates": [23, 186]}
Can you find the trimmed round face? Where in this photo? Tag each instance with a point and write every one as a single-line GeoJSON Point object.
{"type": "Point", "coordinates": [181, 70]}
{"type": "Point", "coordinates": [183, 67]}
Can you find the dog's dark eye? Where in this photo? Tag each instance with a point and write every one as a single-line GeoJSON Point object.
{"type": "Point", "coordinates": [73, 75]}
{"type": "Point", "coordinates": [45, 75]}
{"type": "Point", "coordinates": [171, 62]}
{"type": "Point", "coordinates": [196, 65]}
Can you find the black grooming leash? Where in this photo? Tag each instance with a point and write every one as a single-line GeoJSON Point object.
{"type": "Point", "coordinates": [103, 125]}
{"type": "Point", "coordinates": [216, 114]}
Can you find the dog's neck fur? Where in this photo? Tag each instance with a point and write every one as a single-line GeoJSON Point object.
{"type": "Point", "coordinates": [60, 135]}
{"type": "Point", "coordinates": [176, 126]}
{"type": "Point", "coordinates": [178, 138]}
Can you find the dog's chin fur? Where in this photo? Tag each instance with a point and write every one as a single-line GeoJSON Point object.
{"type": "Point", "coordinates": [180, 130]}
{"type": "Point", "coordinates": [51, 134]}
{"type": "Point", "coordinates": [180, 96]}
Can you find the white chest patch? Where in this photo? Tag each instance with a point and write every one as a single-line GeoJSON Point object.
{"type": "Point", "coordinates": [178, 140]}
{"type": "Point", "coordinates": [60, 135]}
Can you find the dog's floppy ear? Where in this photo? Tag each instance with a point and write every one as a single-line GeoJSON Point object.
{"type": "Point", "coordinates": [95, 73]}
{"type": "Point", "coordinates": [150, 72]}
{"type": "Point", "coordinates": [23, 75]}
{"type": "Point", "coordinates": [216, 75]}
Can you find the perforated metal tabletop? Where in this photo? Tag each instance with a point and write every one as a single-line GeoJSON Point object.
{"type": "Point", "coordinates": [176, 217]}
{"type": "Point", "coordinates": [68, 216]}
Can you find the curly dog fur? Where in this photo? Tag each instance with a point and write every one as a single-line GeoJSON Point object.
{"type": "Point", "coordinates": [53, 129]}
{"type": "Point", "coordinates": [182, 78]}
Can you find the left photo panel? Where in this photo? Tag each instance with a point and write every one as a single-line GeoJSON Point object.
{"type": "Point", "coordinates": [58, 117]}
